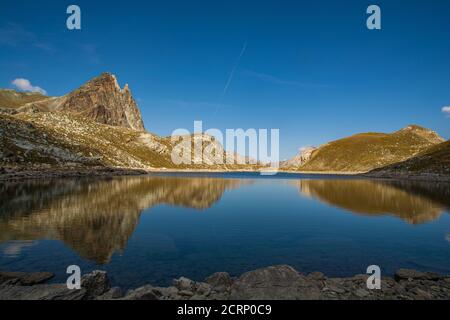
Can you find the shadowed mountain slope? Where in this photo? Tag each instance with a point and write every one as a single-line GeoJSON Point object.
{"type": "Point", "coordinates": [433, 161]}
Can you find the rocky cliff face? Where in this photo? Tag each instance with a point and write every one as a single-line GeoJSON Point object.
{"type": "Point", "coordinates": [300, 159]}
{"type": "Point", "coordinates": [102, 100]}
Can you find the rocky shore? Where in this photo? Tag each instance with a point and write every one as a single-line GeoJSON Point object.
{"type": "Point", "coordinates": [44, 172]}
{"type": "Point", "coordinates": [272, 283]}
{"type": "Point", "coordinates": [435, 177]}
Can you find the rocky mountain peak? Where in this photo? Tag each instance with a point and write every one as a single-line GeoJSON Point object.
{"type": "Point", "coordinates": [300, 159]}
{"type": "Point", "coordinates": [422, 132]}
{"type": "Point", "coordinates": [102, 100]}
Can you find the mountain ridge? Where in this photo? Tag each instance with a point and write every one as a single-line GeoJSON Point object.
{"type": "Point", "coordinates": [100, 99]}
{"type": "Point", "coordinates": [364, 152]}
{"type": "Point", "coordinates": [100, 124]}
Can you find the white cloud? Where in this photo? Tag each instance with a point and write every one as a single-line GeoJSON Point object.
{"type": "Point", "coordinates": [25, 85]}
{"type": "Point", "coordinates": [446, 110]}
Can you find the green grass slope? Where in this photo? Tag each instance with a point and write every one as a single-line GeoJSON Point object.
{"type": "Point", "coordinates": [59, 139]}
{"type": "Point", "coordinates": [10, 98]}
{"type": "Point", "coordinates": [434, 161]}
{"type": "Point", "coordinates": [367, 151]}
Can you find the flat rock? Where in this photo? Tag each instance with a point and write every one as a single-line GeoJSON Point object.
{"type": "Point", "coordinates": [272, 283]}
{"type": "Point", "coordinates": [111, 294]}
{"type": "Point", "coordinates": [186, 293]}
{"type": "Point", "coordinates": [361, 293]}
{"type": "Point", "coordinates": [409, 274]}
{"type": "Point", "coordinates": [24, 278]}
{"type": "Point", "coordinates": [147, 292]}
{"type": "Point", "coordinates": [40, 292]}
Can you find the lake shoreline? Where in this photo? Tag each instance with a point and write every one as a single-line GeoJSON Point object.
{"type": "Point", "coordinates": [37, 172]}
{"type": "Point", "coordinates": [280, 282]}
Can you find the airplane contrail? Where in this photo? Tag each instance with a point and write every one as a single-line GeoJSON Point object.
{"type": "Point", "coordinates": [244, 47]}
{"type": "Point", "coordinates": [230, 77]}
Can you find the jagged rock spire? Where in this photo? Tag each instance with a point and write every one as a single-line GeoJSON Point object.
{"type": "Point", "coordinates": [102, 100]}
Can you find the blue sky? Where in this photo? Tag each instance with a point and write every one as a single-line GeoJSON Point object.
{"type": "Point", "coordinates": [310, 68]}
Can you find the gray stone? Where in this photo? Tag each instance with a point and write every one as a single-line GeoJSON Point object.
{"type": "Point", "coordinates": [111, 294]}
{"type": "Point", "coordinates": [168, 292]}
{"type": "Point", "coordinates": [186, 293]}
{"type": "Point", "coordinates": [409, 274]}
{"type": "Point", "coordinates": [143, 293]}
{"type": "Point", "coordinates": [272, 283]}
{"type": "Point", "coordinates": [219, 280]}
{"type": "Point", "coordinates": [317, 276]}
{"type": "Point", "coordinates": [202, 288]}
{"type": "Point", "coordinates": [40, 292]}
{"type": "Point", "coordinates": [184, 284]}
{"type": "Point", "coordinates": [24, 278]}
{"type": "Point", "coordinates": [96, 283]}
{"type": "Point", "coordinates": [421, 294]}
{"type": "Point", "coordinates": [362, 293]}
{"type": "Point", "coordinates": [335, 288]}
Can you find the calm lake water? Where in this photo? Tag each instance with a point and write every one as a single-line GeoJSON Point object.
{"type": "Point", "coordinates": [151, 229]}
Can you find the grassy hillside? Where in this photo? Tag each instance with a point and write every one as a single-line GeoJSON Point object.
{"type": "Point", "coordinates": [367, 151]}
{"type": "Point", "coordinates": [12, 99]}
{"type": "Point", "coordinates": [435, 160]}
{"type": "Point", "coordinates": [62, 139]}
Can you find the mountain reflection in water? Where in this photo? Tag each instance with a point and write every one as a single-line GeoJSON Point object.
{"type": "Point", "coordinates": [414, 202]}
{"type": "Point", "coordinates": [97, 217]}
